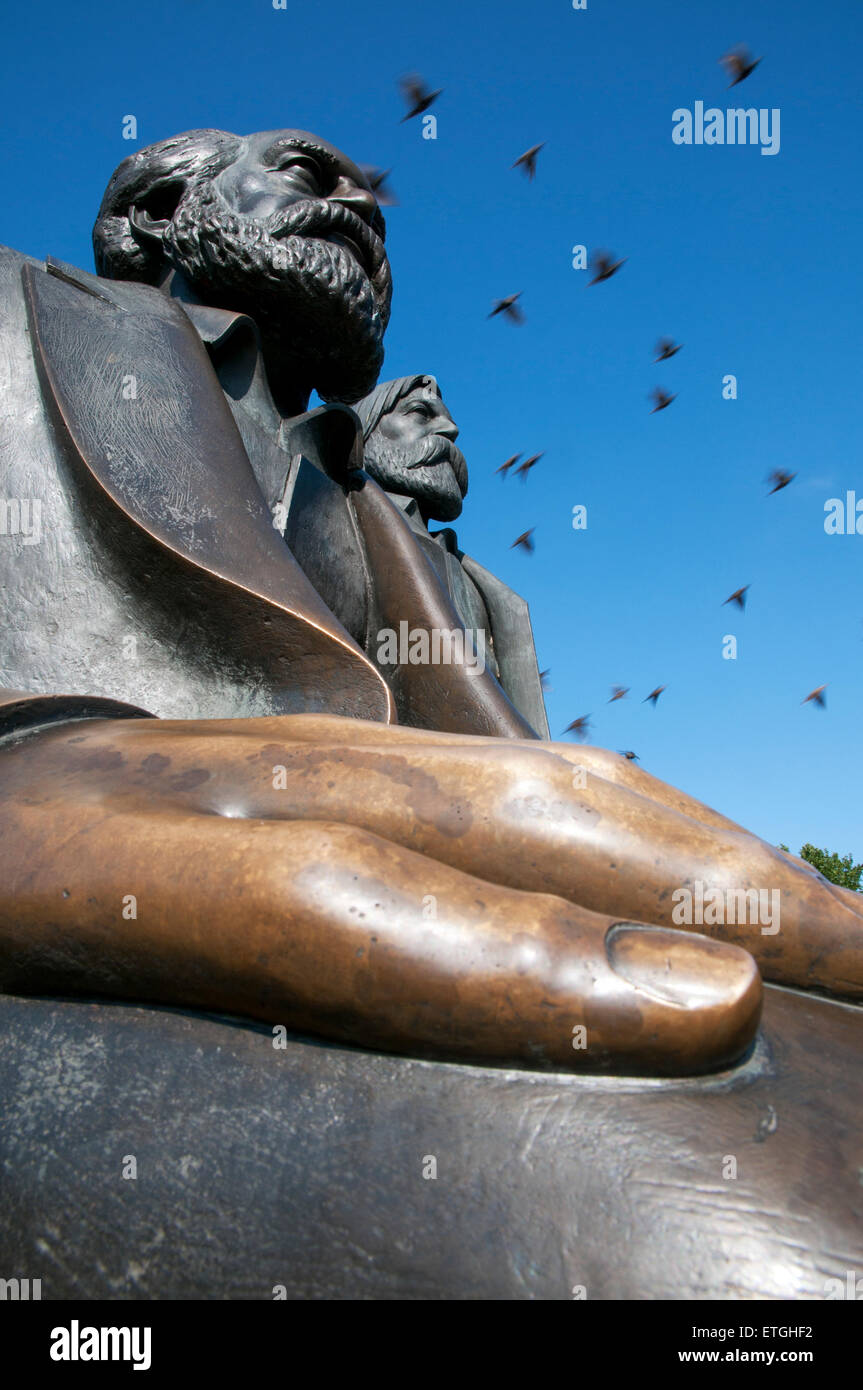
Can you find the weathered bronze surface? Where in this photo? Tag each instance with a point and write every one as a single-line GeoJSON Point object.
{"type": "Point", "coordinates": [345, 898]}
{"type": "Point", "coordinates": [409, 449]}
{"type": "Point", "coordinates": [304, 1172]}
{"type": "Point", "coordinates": [218, 790]}
{"type": "Point", "coordinates": [212, 550]}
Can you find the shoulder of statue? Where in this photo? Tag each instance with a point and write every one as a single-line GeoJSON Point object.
{"type": "Point", "coordinates": [448, 540]}
{"type": "Point", "coordinates": [493, 590]}
{"type": "Point", "coordinates": [124, 296]}
{"type": "Point", "coordinates": [10, 258]}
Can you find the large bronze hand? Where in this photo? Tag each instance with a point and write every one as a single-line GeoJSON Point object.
{"type": "Point", "coordinates": [445, 895]}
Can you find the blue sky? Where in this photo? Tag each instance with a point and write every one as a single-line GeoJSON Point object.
{"type": "Point", "coordinates": [752, 262]}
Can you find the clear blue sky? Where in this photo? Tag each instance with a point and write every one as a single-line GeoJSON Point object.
{"type": "Point", "coordinates": [752, 262]}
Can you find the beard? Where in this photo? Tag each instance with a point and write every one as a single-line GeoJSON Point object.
{"type": "Point", "coordinates": [433, 472]}
{"type": "Point", "coordinates": [321, 310]}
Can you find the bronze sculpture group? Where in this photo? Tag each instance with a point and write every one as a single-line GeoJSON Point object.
{"type": "Point", "coordinates": [272, 746]}
{"type": "Point", "coordinates": [196, 717]}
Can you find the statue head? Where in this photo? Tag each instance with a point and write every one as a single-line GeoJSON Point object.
{"type": "Point", "coordinates": [409, 445]}
{"type": "Point", "coordinates": [280, 226]}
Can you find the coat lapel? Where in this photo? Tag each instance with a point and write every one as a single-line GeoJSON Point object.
{"type": "Point", "coordinates": [513, 644]}
{"type": "Point", "coordinates": [134, 392]}
{"type": "Point", "coordinates": [409, 591]}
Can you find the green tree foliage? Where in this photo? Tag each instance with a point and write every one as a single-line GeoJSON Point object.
{"type": "Point", "coordinates": [842, 871]}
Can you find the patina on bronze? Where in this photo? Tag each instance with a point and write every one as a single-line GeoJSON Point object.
{"type": "Point", "coordinates": [409, 449]}
{"type": "Point", "coordinates": [390, 856]}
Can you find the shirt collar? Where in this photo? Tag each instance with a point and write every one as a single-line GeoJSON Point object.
{"type": "Point", "coordinates": [215, 326]}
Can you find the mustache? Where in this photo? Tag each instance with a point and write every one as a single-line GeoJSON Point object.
{"type": "Point", "coordinates": [438, 449]}
{"type": "Point", "coordinates": [322, 220]}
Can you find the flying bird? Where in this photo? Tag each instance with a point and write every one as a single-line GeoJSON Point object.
{"type": "Point", "coordinates": [662, 399]}
{"type": "Point", "coordinates": [780, 479]}
{"type": "Point", "coordinates": [654, 695]}
{"type": "Point", "coordinates": [416, 96]}
{"type": "Point", "coordinates": [543, 679]}
{"type": "Point", "coordinates": [665, 348]}
{"type": "Point", "coordinates": [524, 540]}
{"type": "Point", "coordinates": [629, 755]}
{"type": "Point", "coordinates": [604, 266]}
{"type": "Point", "coordinates": [527, 161]}
{"type": "Point", "coordinates": [817, 697]}
{"type": "Point", "coordinates": [505, 467]}
{"type": "Point", "coordinates": [738, 597]}
{"type": "Point", "coordinates": [580, 727]}
{"type": "Point", "coordinates": [509, 307]}
{"type": "Point", "coordinates": [738, 65]}
{"type": "Point", "coordinates": [524, 468]}
{"type": "Point", "coordinates": [618, 692]}
{"type": "Point", "coordinates": [377, 180]}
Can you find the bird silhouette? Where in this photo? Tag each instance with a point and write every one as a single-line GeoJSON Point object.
{"type": "Point", "coordinates": [817, 697]}
{"type": "Point", "coordinates": [580, 727]}
{"type": "Point", "coordinates": [629, 755]}
{"type": "Point", "coordinates": [738, 65]}
{"type": "Point", "coordinates": [654, 695]}
{"type": "Point", "coordinates": [543, 679]}
{"type": "Point", "coordinates": [527, 161]}
{"type": "Point", "coordinates": [665, 348]}
{"type": "Point", "coordinates": [618, 692]}
{"type": "Point", "coordinates": [604, 266]}
{"type": "Point", "coordinates": [780, 479]}
{"type": "Point", "coordinates": [416, 95]}
{"type": "Point", "coordinates": [524, 468]}
{"type": "Point", "coordinates": [524, 540]}
{"type": "Point", "coordinates": [662, 399]}
{"type": "Point", "coordinates": [509, 307]}
{"type": "Point", "coordinates": [505, 467]}
{"type": "Point", "coordinates": [738, 597]}
{"type": "Point", "coordinates": [377, 181]}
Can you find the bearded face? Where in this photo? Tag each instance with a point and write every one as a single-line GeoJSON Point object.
{"type": "Point", "coordinates": [290, 234]}
{"type": "Point", "coordinates": [412, 452]}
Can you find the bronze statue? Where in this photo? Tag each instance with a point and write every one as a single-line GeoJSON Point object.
{"type": "Point", "coordinates": [409, 449]}
{"type": "Point", "coordinates": [200, 729]}
{"type": "Point", "coordinates": [219, 790]}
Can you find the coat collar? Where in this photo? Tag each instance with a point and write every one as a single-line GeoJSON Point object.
{"type": "Point", "coordinates": [215, 326]}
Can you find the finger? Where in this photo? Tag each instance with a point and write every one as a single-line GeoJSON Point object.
{"type": "Point", "coordinates": [614, 767]}
{"type": "Point", "coordinates": [508, 812]}
{"type": "Point", "coordinates": [321, 730]}
{"type": "Point", "coordinates": [328, 929]}
{"type": "Point", "coordinates": [846, 896]}
{"type": "Point", "coordinates": [513, 814]}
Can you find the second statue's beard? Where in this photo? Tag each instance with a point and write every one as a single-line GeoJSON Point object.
{"type": "Point", "coordinates": [321, 317]}
{"type": "Point", "coordinates": [434, 473]}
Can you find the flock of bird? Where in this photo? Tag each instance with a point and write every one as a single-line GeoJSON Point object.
{"type": "Point", "coordinates": [418, 98]}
